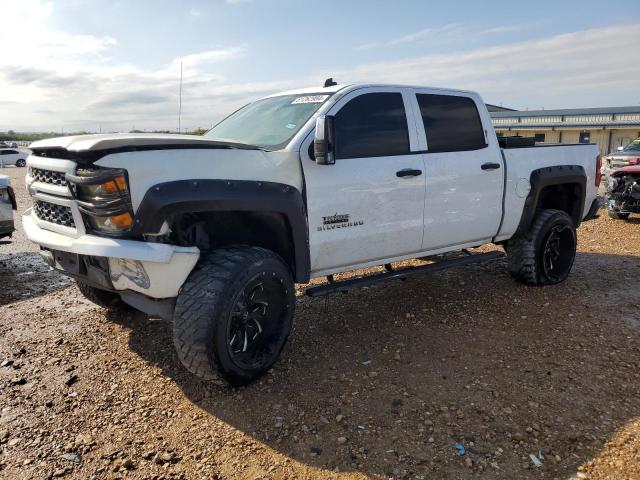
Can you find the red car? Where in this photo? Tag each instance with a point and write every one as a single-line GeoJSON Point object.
{"type": "Point", "coordinates": [623, 192]}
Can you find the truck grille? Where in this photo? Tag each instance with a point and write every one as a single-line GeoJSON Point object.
{"type": "Point", "coordinates": [48, 176]}
{"type": "Point", "coordinates": [53, 213]}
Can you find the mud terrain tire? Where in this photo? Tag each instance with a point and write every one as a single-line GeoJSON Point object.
{"type": "Point", "coordinates": [545, 254]}
{"type": "Point", "coordinates": [234, 314]}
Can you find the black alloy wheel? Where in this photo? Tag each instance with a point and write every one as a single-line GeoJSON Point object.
{"type": "Point", "coordinates": [557, 255]}
{"type": "Point", "coordinates": [255, 325]}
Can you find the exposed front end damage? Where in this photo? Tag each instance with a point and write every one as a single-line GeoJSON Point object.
{"type": "Point", "coordinates": [623, 192]}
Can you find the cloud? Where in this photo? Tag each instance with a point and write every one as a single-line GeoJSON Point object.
{"type": "Point", "coordinates": [194, 12]}
{"type": "Point", "coordinates": [437, 35]}
{"type": "Point", "coordinates": [506, 29]}
{"type": "Point", "coordinates": [561, 69]}
{"type": "Point", "coordinates": [196, 60]}
{"type": "Point", "coordinates": [129, 99]}
{"type": "Point", "coordinates": [49, 80]}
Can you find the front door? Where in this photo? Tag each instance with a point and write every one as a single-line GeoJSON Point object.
{"type": "Point", "coordinates": [368, 206]}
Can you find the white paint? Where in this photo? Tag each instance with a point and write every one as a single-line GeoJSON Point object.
{"type": "Point", "coordinates": [164, 279]}
{"type": "Point", "coordinates": [151, 167]}
{"type": "Point", "coordinates": [102, 246]}
{"type": "Point", "coordinates": [523, 187]}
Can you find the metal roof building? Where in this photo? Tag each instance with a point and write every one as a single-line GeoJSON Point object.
{"type": "Point", "coordinates": [609, 127]}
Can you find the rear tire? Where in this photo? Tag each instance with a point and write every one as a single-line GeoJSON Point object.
{"type": "Point", "coordinates": [102, 298]}
{"type": "Point", "coordinates": [545, 254]}
{"type": "Point", "coordinates": [234, 314]}
{"type": "Point", "coordinates": [21, 162]}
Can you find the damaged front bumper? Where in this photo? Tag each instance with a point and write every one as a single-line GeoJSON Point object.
{"type": "Point", "coordinates": [155, 270]}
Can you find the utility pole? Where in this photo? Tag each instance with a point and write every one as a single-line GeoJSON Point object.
{"type": "Point", "coordinates": [180, 102]}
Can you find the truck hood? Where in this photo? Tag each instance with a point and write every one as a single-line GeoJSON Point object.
{"type": "Point", "coordinates": [101, 142]}
{"type": "Point", "coordinates": [623, 155]}
{"type": "Point", "coordinates": [4, 181]}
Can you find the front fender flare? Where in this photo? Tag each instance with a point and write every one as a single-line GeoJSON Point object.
{"type": "Point", "coordinates": [193, 196]}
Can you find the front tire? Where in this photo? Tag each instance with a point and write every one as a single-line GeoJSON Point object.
{"type": "Point", "coordinates": [234, 314]}
{"type": "Point", "coordinates": [21, 163]}
{"type": "Point", "coordinates": [545, 254]}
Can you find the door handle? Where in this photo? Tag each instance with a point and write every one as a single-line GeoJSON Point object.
{"type": "Point", "coordinates": [408, 172]}
{"type": "Point", "coordinates": [490, 166]}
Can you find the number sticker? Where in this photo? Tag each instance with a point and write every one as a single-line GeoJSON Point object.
{"type": "Point", "coordinates": [310, 99]}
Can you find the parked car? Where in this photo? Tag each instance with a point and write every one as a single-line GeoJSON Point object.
{"type": "Point", "coordinates": [623, 192]}
{"type": "Point", "coordinates": [7, 206]}
{"type": "Point", "coordinates": [213, 231]}
{"type": "Point", "coordinates": [10, 157]}
{"type": "Point", "coordinates": [623, 157]}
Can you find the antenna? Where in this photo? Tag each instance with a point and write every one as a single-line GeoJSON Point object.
{"type": "Point", "coordinates": [329, 82]}
{"type": "Point", "coordinates": [180, 102]}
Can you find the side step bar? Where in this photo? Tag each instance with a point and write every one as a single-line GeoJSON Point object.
{"type": "Point", "coordinates": [391, 274]}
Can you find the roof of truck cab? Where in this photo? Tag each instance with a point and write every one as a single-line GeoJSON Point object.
{"type": "Point", "coordinates": [319, 90]}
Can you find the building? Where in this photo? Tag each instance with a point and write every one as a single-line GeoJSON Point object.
{"type": "Point", "coordinates": [608, 127]}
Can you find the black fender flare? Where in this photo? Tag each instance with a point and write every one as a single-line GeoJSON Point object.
{"type": "Point", "coordinates": [193, 196]}
{"type": "Point", "coordinates": [548, 176]}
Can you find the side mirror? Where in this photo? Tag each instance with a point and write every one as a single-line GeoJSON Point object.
{"type": "Point", "coordinates": [324, 141]}
{"type": "Point", "coordinates": [620, 149]}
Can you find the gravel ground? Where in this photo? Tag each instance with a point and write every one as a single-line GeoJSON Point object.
{"type": "Point", "coordinates": [379, 383]}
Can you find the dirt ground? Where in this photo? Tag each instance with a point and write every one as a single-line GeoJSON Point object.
{"type": "Point", "coordinates": [380, 383]}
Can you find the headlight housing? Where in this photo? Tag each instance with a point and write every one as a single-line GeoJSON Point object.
{"type": "Point", "coordinates": [103, 198]}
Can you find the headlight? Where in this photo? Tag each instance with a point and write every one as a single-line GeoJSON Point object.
{"type": "Point", "coordinates": [110, 188]}
{"type": "Point", "coordinates": [113, 224]}
{"type": "Point", "coordinates": [104, 200]}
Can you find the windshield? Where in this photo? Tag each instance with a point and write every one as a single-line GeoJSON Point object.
{"type": "Point", "coordinates": [271, 122]}
{"type": "Point", "coordinates": [633, 146]}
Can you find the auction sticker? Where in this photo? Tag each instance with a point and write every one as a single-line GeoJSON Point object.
{"type": "Point", "coordinates": [310, 99]}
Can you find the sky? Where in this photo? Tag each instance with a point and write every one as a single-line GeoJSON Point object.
{"type": "Point", "coordinates": [115, 65]}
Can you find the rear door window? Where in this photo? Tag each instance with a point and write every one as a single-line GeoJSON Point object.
{"type": "Point", "coordinates": [451, 123]}
{"type": "Point", "coordinates": [372, 125]}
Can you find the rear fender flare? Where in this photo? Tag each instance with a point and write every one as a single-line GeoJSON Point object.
{"type": "Point", "coordinates": [548, 176]}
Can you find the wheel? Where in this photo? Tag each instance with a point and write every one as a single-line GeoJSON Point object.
{"type": "Point", "coordinates": [545, 255]}
{"type": "Point", "coordinates": [233, 314]}
{"type": "Point", "coordinates": [21, 162]}
{"type": "Point", "coordinates": [616, 214]}
{"type": "Point", "coordinates": [102, 298]}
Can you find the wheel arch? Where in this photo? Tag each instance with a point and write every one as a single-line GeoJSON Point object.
{"type": "Point", "coordinates": [266, 214]}
{"type": "Point", "coordinates": [561, 187]}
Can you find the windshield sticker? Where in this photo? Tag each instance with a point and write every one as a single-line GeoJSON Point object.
{"type": "Point", "coordinates": [290, 126]}
{"type": "Point", "coordinates": [310, 99]}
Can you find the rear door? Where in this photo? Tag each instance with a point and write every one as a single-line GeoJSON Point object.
{"type": "Point", "coordinates": [369, 205]}
{"type": "Point", "coordinates": [464, 170]}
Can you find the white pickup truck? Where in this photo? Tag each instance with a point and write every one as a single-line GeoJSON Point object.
{"type": "Point", "coordinates": [213, 231]}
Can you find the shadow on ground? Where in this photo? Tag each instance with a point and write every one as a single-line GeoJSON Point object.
{"type": "Point", "coordinates": [25, 275]}
{"type": "Point", "coordinates": [460, 356]}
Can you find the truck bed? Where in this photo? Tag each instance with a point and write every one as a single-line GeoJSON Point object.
{"type": "Point", "coordinates": [521, 161]}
